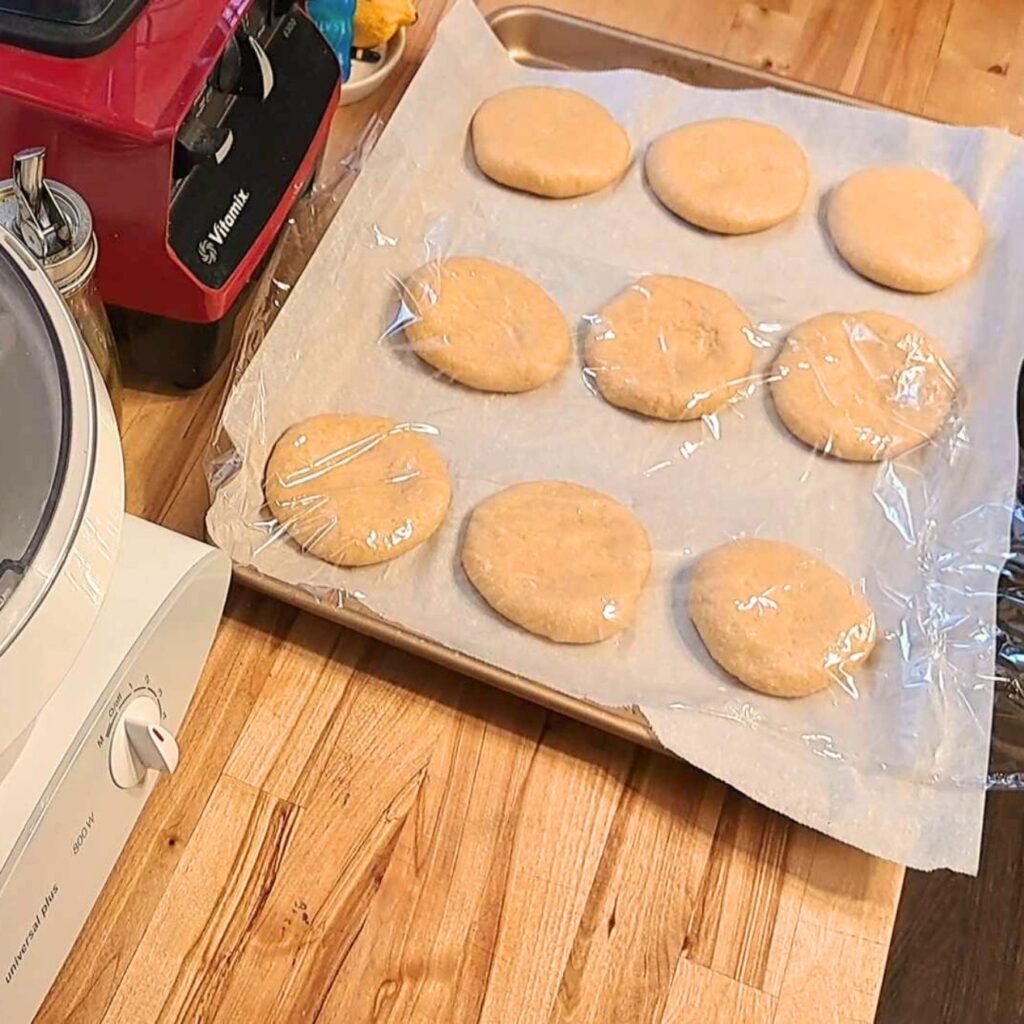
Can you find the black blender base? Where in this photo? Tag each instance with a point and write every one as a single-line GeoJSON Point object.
{"type": "Point", "coordinates": [173, 351]}
{"type": "Point", "coordinates": [186, 355]}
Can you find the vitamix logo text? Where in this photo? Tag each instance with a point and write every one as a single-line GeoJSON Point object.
{"type": "Point", "coordinates": [218, 234]}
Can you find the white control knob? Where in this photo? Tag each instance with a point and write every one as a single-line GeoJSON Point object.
{"type": "Point", "coordinates": [139, 742]}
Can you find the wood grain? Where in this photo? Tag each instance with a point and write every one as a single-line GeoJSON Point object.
{"type": "Point", "coordinates": [625, 950]}
{"type": "Point", "coordinates": [355, 835]}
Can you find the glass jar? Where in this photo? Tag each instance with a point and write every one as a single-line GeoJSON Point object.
{"type": "Point", "coordinates": [55, 223]}
{"type": "Point", "coordinates": [91, 316]}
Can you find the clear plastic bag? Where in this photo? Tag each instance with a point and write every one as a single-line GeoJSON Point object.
{"type": "Point", "coordinates": [894, 762]}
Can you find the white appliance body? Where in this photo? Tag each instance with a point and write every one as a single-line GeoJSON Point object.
{"type": "Point", "coordinates": [71, 571]}
{"type": "Point", "coordinates": [53, 637]}
{"type": "Point", "coordinates": [63, 818]}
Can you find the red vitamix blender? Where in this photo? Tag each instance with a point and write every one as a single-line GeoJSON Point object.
{"type": "Point", "coordinates": [190, 127]}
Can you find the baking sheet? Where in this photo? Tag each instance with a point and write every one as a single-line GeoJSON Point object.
{"type": "Point", "coordinates": [898, 768]}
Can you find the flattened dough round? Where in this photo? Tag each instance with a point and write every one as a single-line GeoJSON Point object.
{"type": "Point", "coordinates": [486, 325]}
{"type": "Point", "coordinates": [778, 618]}
{"type": "Point", "coordinates": [560, 560]}
{"type": "Point", "coordinates": [670, 348]}
{"type": "Point", "coordinates": [728, 175]}
{"type": "Point", "coordinates": [357, 490]}
{"type": "Point", "coordinates": [551, 142]}
{"type": "Point", "coordinates": [862, 386]}
{"type": "Point", "coordinates": [905, 227]}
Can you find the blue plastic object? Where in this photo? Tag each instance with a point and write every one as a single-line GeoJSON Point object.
{"type": "Point", "coordinates": [334, 18]}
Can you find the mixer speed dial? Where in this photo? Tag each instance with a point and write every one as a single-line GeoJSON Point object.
{"type": "Point", "coordinates": [139, 743]}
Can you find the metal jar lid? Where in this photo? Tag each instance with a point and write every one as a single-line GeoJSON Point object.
{"type": "Point", "coordinates": [53, 221]}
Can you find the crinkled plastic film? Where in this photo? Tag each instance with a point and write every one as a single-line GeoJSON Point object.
{"type": "Point", "coordinates": [891, 758]}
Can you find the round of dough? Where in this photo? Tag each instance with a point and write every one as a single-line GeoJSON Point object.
{"type": "Point", "coordinates": [670, 348]}
{"type": "Point", "coordinates": [560, 560]}
{"type": "Point", "coordinates": [357, 490]}
{"type": "Point", "coordinates": [486, 325]}
{"type": "Point", "coordinates": [905, 227]}
{"type": "Point", "coordinates": [551, 142]}
{"type": "Point", "coordinates": [862, 386]}
{"type": "Point", "coordinates": [778, 618]}
{"type": "Point", "coordinates": [728, 175]}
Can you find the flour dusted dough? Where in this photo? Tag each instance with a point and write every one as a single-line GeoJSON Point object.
{"type": "Point", "coordinates": [486, 325]}
{"type": "Point", "coordinates": [552, 142]}
{"type": "Point", "coordinates": [779, 619]}
{"type": "Point", "coordinates": [905, 227]}
{"type": "Point", "coordinates": [862, 386]}
{"type": "Point", "coordinates": [356, 490]}
{"type": "Point", "coordinates": [728, 175]}
{"type": "Point", "coordinates": [561, 560]}
{"type": "Point", "coordinates": [671, 348]}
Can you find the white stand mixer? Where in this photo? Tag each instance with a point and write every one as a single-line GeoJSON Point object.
{"type": "Point", "coordinates": [105, 624]}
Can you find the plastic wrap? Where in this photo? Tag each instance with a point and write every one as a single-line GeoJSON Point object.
{"type": "Point", "coordinates": [894, 758]}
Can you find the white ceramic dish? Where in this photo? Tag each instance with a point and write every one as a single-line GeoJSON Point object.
{"type": "Point", "coordinates": [367, 77]}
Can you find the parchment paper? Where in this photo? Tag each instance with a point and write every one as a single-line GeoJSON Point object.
{"type": "Point", "coordinates": [896, 767]}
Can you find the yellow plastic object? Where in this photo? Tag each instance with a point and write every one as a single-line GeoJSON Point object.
{"type": "Point", "coordinates": [376, 21]}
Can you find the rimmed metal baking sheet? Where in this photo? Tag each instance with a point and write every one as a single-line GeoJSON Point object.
{"type": "Point", "coordinates": [538, 37]}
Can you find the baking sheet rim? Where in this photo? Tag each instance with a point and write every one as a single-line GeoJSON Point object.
{"type": "Point", "coordinates": [626, 723]}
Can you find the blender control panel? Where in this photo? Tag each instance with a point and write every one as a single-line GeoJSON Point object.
{"type": "Point", "coordinates": [245, 137]}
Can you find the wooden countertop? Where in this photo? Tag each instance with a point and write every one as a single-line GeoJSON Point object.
{"type": "Point", "coordinates": [354, 834]}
